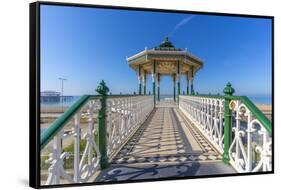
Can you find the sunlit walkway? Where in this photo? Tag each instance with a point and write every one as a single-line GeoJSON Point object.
{"type": "Point", "coordinates": [166, 145]}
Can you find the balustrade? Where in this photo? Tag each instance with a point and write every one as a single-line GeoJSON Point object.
{"type": "Point", "coordinates": [124, 116]}
{"type": "Point", "coordinates": [92, 131]}
{"type": "Point", "coordinates": [250, 143]}
{"type": "Point", "coordinates": [207, 114]}
{"type": "Point", "coordinates": [74, 135]}
{"type": "Point", "coordinates": [251, 147]}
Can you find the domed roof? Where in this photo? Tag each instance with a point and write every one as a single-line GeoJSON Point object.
{"type": "Point", "coordinates": [166, 43]}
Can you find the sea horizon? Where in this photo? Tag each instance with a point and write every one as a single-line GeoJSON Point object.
{"type": "Point", "coordinates": [256, 99]}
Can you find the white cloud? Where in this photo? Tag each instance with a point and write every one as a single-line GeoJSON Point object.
{"type": "Point", "coordinates": [180, 24]}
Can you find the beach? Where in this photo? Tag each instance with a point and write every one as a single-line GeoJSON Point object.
{"type": "Point", "coordinates": [266, 110]}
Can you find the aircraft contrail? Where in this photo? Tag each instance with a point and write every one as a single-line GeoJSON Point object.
{"type": "Point", "coordinates": [180, 24]}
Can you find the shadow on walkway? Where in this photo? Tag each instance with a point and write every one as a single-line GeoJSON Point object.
{"type": "Point", "coordinates": [165, 146]}
{"type": "Point", "coordinates": [159, 171]}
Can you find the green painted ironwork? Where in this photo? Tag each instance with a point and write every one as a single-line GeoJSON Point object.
{"type": "Point", "coordinates": [158, 93]}
{"type": "Point", "coordinates": [158, 87]}
{"type": "Point", "coordinates": [228, 91]}
{"type": "Point", "coordinates": [174, 93]}
{"type": "Point", "coordinates": [191, 81]}
{"type": "Point", "coordinates": [209, 96]}
{"type": "Point", "coordinates": [187, 86]}
{"type": "Point", "coordinates": [139, 88]}
{"type": "Point", "coordinates": [166, 43]}
{"type": "Point", "coordinates": [154, 96]}
{"type": "Point", "coordinates": [179, 79]}
{"type": "Point", "coordinates": [191, 86]}
{"type": "Point", "coordinates": [102, 89]}
{"type": "Point", "coordinates": [154, 73]}
{"type": "Point", "coordinates": [139, 78]}
{"type": "Point", "coordinates": [179, 89]}
{"type": "Point", "coordinates": [256, 112]}
{"type": "Point", "coordinates": [144, 89]}
{"type": "Point", "coordinates": [58, 124]}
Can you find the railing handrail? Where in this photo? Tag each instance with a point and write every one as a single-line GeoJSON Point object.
{"type": "Point", "coordinates": [250, 105]}
{"type": "Point", "coordinates": [204, 96]}
{"type": "Point", "coordinates": [59, 123]}
{"type": "Point", "coordinates": [256, 112]}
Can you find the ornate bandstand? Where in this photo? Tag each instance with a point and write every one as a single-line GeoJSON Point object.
{"type": "Point", "coordinates": [162, 60]}
{"type": "Point", "coordinates": [134, 135]}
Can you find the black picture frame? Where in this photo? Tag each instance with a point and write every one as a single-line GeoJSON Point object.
{"type": "Point", "coordinates": [34, 89]}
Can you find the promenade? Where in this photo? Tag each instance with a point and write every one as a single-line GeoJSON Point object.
{"type": "Point", "coordinates": [166, 145]}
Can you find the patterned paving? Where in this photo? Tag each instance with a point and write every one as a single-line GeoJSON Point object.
{"type": "Point", "coordinates": [166, 138]}
{"type": "Point", "coordinates": [127, 172]}
{"type": "Point", "coordinates": [165, 146]}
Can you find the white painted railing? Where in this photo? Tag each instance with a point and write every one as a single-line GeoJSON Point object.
{"type": "Point", "coordinates": [207, 114]}
{"type": "Point", "coordinates": [124, 115]}
{"type": "Point", "coordinates": [250, 150]}
{"type": "Point", "coordinates": [251, 143]}
{"type": "Point", "coordinates": [86, 161]}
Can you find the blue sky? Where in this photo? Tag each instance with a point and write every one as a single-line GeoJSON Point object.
{"type": "Point", "coordinates": [86, 45]}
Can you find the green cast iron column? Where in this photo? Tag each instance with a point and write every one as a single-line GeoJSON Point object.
{"type": "Point", "coordinates": [228, 91]}
{"type": "Point", "coordinates": [102, 89]}
{"type": "Point", "coordinates": [158, 93]}
{"type": "Point", "coordinates": [187, 85]}
{"type": "Point", "coordinates": [153, 78]}
{"type": "Point", "coordinates": [179, 80]}
{"type": "Point", "coordinates": [144, 83]}
{"type": "Point", "coordinates": [139, 78]}
{"type": "Point", "coordinates": [174, 86]}
{"type": "Point", "coordinates": [139, 88]}
{"type": "Point", "coordinates": [154, 92]}
{"type": "Point", "coordinates": [191, 86]}
{"type": "Point", "coordinates": [179, 89]}
{"type": "Point", "coordinates": [158, 87]}
{"type": "Point", "coordinates": [174, 93]}
{"type": "Point", "coordinates": [191, 81]}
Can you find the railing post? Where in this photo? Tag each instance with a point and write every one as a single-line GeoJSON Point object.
{"type": "Point", "coordinates": [228, 91]}
{"type": "Point", "coordinates": [76, 175]}
{"type": "Point", "coordinates": [57, 154]}
{"type": "Point", "coordinates": [102, 89]}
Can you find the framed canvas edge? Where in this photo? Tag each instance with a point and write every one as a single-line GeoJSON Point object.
{"type": "Point", "coordinates": [34, 92]}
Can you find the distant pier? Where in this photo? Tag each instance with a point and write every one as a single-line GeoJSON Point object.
{"type": "Point", "coordinates": [54, 97]}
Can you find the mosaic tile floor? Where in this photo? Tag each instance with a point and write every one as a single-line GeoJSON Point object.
{"type": "Point", "coordinates": [166, 137]}
{"type": "Point", "coordinates": [166, 145]}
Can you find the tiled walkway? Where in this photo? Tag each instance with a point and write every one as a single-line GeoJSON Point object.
{"type": "Point", "coordinates": [166, 145]}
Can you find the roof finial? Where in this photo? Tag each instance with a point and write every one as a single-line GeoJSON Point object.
{"type": "Point", "coordinates": [166, 43]}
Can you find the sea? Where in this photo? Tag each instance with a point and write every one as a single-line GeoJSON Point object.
{"type": "Point", "coordinates": [67, 103]}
